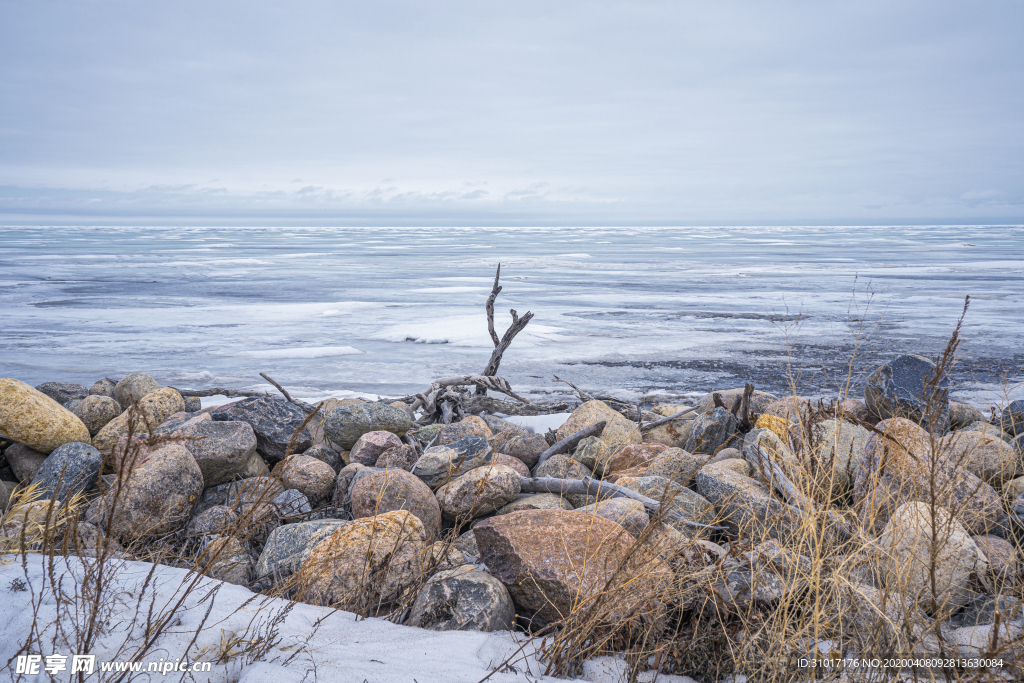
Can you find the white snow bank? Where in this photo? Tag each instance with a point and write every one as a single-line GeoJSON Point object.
{"type": "Point", "coordinates": [539, 424]}
{"type": "Point", "coordinates": [331, 645]}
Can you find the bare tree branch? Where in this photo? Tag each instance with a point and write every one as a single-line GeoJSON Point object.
{"type": "Point", "coordinates": [490, 306]}
{"type": "Point", "coordinates": [566, 444]}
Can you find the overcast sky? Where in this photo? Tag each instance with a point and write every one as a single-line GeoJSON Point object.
{"type": "Point", "coordinates": [485, 112]}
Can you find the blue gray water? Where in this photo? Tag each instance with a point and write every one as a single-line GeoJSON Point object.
{"type": "Point", "coordinates": [656, 311]}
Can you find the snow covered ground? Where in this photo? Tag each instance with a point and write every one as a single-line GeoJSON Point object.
{"type": "Point", "coordinates": [316, 643]}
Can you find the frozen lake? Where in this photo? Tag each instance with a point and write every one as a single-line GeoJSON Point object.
{"type": "Point", "coordinates": [653, 311]}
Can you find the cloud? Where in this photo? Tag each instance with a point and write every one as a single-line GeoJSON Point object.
{"type": "Point", "coordinates": [573, 112]}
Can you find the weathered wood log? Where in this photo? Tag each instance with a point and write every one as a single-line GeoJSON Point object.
{"type": "Point", "coordinates": [500, 345]}
{"type": "Point", "coordinates": [219, 391]}
{"type": "Point", "coordinates": [491, 405]}
{"type": "Point", "coordinates": [602, 489]}
{"type": "Point", "coordinates": [717, 398]}
{"type": "Point", "coordinates": [748, 391]}
{"type": "Point", "coordinates": [646, 427]}
{"type": "Point", "coordinates": [570, 441]}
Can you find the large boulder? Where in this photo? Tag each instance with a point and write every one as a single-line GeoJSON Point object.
{"type": "Point", "coordinates": [478, 492]}
{"type": "Point", "coordinates": [1002, 559]}
{"type": "Point", "coordinates": [629, 514]}
{"type": "Point", "coordinates": [103, 387]}
{"type": "Point", "coordinates": [470, 426]}
{"type": "Point", "coordinates": [985, 456]}
{"type": "Point", "coordinates": [273, 421]}
{"type": "Point", "coordinates": [745, 506]}
{"type": "Point", "coordinates": [24, 461]}
{"type": "Point", "coordinates": [1011, 418]}
{"type": "Point", "coordinates": [440, 464]}
{"type": "Point", "coordinates": [592, 452]}
{"type": "Point", "coordinates": [225, 559]}
{"type": "Point", "coordinates": [711, 431]}
{"type": "Point", "coordinates": [345, 424]}
{"type": "Point", "coordinates": [676, 464]}
{"type": "Point", "coordinates": [674, 433]}
{"type": "Point", "coordinates": [32, 418]}
{"type": "Point", "coordinates": [367, 561]}
{"type": "Point", "coordinates": [463, 599]}
{"type": "Point", "coordinates": [368, 448]}
{"type": "Point", "coordinates": [157, 497]}
{"type": "Point", "coordinates": [895, 468]}
{"type": "Point", "coordinates": [63, 392]}
{"type": "Point", "coordinates": [835, 450]}
{"type": "Point", "coordinates": [617, 432]}
{"type": "Point", "coordinates": [918, 548]}
{"type": "Point", "coordinates": [221, 449]}
{"type": "Point", "coordinates": [402, 457]}
{"type": "Point", "coordinates": [674, 498]}
{"type": "Point", "coordinates": [583, 559]}
{"type": "Point", "coordinates": [96, 412]}
{"type": "Point", "coordinates": [145, 416]}
{"type": "Point", "coordinates": [314, 478]}
{"type": "Point", "coordinates": [134, 387]}
{"type": "Point", "coordinates": [632, 457]}
{"type": "Point", "coordinates": [526, 447]}
{"type": "Point", "coordinates": [288, 546]}
{"type": "Point", "coordinates": [70, 469]}
{"type": "Point", "coordinates": [396, 489]}
{"type": "Point", "coordinates": [904, 387]}
{"type": "Point", "coordinates": [963, 414]}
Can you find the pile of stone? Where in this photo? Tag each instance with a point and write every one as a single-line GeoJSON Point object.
{"type": "Point", "coordinates": [360, 507]}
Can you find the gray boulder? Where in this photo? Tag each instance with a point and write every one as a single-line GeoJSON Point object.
{"type": "Point", "coordinates": [711, 431]}
{"type": "Point", "coordinates": [463, 599]}
{"type": "Point", "coordinates": [288, 545]}
{"type": "Point", "coordinates": [345, 424]}
{"type": "Point", "coordinates": [218, 519]}
{"type": "Point", "coordinates": [1011, 418]}
{"type": "Point", "coordinates": [897, 389]}
{"type": "Point", "coordinates": [221, 449]}
{"type": "Point", "coordinates": [440, 464]}
{"type": "Point", "coordinates": [273, 421]}
{"type": "Point", "coordinates": [291, 502]}
{"type": "Point", "coordinates": [103, 387]}
{"type": "Point", "coordinates": [63, 392]}
{"type": "Point", "coordinates": [70, 469]}
{"type": "Point", "coordinates": [96, 411]}
{"type": "Point", "coordinates": [134, 387]}
{"type": "Point", "coordinates": [744, 505]}
{"type": "Point", "coordinates": [24, 461]}
{"type": "Point", "coordinates": [326, 455]}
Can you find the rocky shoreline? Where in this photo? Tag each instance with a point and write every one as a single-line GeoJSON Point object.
{"type": "Point", "coordinates": [692, 540]}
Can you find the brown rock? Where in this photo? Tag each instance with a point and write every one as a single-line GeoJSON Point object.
{"type": "Point", "coordinates": [910, 558]}
{"type": "Point", "coordinates": [677, 465]}
{"type": "Point", "coordinates": [225, 559]}
{"type": "Point", "coordinates": [396, 489]}
{"type": "Point", "coordinates": [96, 411]}
{"type": "Point", "coordinates": [478, 492]}
{"type": "Point", "coordinates": [134, 387]}
{"type": "Point", "coordinates": [1002, 559]}
{"type": "Point", "coordinates": [986, 456]}
{"type": "Point", "coordinates": [32, 418]}
{"type": "Point", "coordinates": [514, 463]}
{"type": "Point", "coordinates": [579, 560]}
{"type": "Point", "coordinates": [314, 478]}
{"type": "Point", "coordinates": [675, 432]}
{"type": "Point", "coordinates": [629, 514]}
{"type": "Point", "coordinates": [633, 456]}
{"type": "Point", "coordinates": [371, 445]}
{"type": "Point", "coordinates": [792, 408]}
{"type": "Point", "coordinates": [564, 467]}
{"type": "Point", "coordinates": [525, 448]}
{"type": "Point", "coordinates": [617, 432]}
{"type": "Point", "coordinates": [895, 469]}
{"type": "Point", "coordinates": [365, 561]}
{"type": "Point", "coordinates": [156, 499]}
{"type": "Point", "coordinates": [485, 429]}
{"type": "Point", "coordinates": [150, 412]}
{"type": "Point", "coordinates": [400, 457]}
{"type": "Point", "coordinates": [856, 409]}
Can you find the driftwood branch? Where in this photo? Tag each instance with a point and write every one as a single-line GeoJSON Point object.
{"type": "Point", "coordinates": [582, 394]}
{"type": "Point", "coordinates": [500, 345]}
{"type": "Point", "coordinates": [481, 381]}
{"type": "Point", "coordinates": [569, 442]}
{"type": "Point", "coordinates": [717, 398]}
{"type": "Point", "coordinates": [748, 391]}
{"type": "Point", "coordinates": [219, 391]}
{"type": "Point", "coordinates": [665, 420]}
{"type": "Point", "coordinates": [495, 290]}
{"type": "Point", "coordinates": [592, 487]}
{"type": "Point", "coordinates": [306, 408]}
